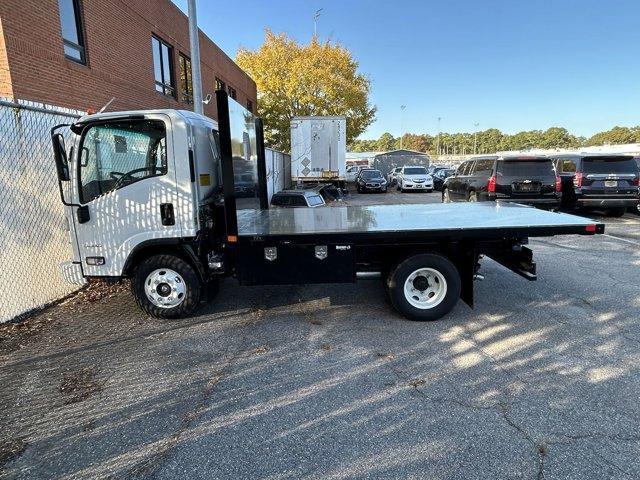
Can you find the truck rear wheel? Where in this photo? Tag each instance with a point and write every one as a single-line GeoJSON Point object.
{"type": "Point", "coordinates": [165, 286]}
{"type": "Point", "coordinates": [424, 287]}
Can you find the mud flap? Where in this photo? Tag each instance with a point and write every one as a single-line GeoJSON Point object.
{"type": "Point", "coordinates": [467, 266]}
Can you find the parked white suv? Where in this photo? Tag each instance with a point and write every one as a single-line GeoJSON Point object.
{"type": "Point", "coordinates": [414, 178]}
{"type": "Point", "coordinates": [353, 171]}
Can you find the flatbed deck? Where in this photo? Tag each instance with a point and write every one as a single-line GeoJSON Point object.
{"type": "Point", "coordinates": [416, 220]}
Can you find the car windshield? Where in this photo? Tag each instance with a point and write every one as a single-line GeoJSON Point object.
{"type": "Point", "coordinates": [369, 174]}
{"type": "Point", "coordinates": [526, 168]}
{"type": "Point", "coordinates": [415, 171]}
{"type": "Point", "coordinates": [609, 165]}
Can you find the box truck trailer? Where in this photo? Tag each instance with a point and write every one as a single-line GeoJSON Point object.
{"type": "Point", "coordinates": [318, 150]}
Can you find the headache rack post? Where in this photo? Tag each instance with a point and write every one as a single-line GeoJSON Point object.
{"type": "Point", "coordinates": [226, 153]}
{"type": "Point", "coordinates": [262, 165]}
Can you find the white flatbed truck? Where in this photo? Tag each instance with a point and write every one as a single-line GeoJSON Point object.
{"type": "Point", "coordinates": [176, 201]}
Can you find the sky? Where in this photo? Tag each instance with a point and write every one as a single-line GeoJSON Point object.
{"type": "Point", "coordinates": [507, 64]}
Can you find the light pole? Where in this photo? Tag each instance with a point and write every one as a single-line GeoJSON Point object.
{"type": "Point", "coordinates": [194, 43]}
{"type": "Point", "coordinates": [402, 108]}
{"type": "Point", "coordinates": [475, 138]}
{"type": "Point", "coordinates": [438, 147]}
{"type": "Point", "coordinates": [315, 22]}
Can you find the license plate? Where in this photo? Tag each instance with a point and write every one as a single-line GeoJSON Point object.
{"type": "Point", "coordinates": [610, 183]}
{"type": "Point", "coordinates": [526, 187]}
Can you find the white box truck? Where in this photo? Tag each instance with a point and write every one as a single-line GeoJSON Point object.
{"type": "Point", "coordinates": [318, 149]}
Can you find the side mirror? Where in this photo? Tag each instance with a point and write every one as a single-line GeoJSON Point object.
{"type": "Point", "coordinates": [60, 156]}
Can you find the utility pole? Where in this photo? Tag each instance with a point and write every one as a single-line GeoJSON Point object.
{"type": "Point", "coordinates": [194, 42]}
{"type": "Point", "coordinates": [402, 107]}
{"type": "Point", "coordinates": [315, 22]}
{"type": "Point", "coordinates": [475, 138]}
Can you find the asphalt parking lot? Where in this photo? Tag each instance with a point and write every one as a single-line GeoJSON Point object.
{"type": "Point", "coordinates": [540, 380]}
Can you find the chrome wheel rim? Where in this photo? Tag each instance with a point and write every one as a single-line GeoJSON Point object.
{"type": "Point", "coordinates": [445, 196]}
{"type": "Point", "coordinates": [165, 288]}
{"type": "Point", "coordinates": [425, 288]}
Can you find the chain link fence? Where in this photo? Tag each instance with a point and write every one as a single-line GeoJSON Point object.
{"type": "Point", "coordinates": [33, 231]}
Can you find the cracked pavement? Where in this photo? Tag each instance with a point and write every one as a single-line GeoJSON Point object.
{"type": "Point", "coordinates": [540, 381]}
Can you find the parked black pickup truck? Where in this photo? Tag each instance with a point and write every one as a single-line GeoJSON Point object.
{"type": "Point", "coordinates": [599, 182]}
{"type": "Point", "coordinates": [528, 180]}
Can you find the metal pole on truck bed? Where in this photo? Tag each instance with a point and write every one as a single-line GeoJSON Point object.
{"type": "Point", "coordinates": [194, 43]}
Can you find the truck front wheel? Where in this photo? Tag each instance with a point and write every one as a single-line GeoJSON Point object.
{"type": "Point", "coordinates": [424, 287]}
{"type": "Point", "coordinates": [165, 286]}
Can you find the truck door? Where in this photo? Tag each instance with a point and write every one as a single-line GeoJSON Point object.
{"type": "Point", "coordinates": [126, 186]}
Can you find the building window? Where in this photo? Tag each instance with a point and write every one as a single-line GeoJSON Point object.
{"type": "Point", "coordinates": [232, 92]}
{"type": "Point", "coordinates": [250, 106]}
{"type": "Point", "coordinates": [220, 85]}
{"type": "Point", "coordinates": [186, 83]}
{"type": "Point", "coordinates": [163, 67]}
{"type": "Point", "coordinates": [71, 24]}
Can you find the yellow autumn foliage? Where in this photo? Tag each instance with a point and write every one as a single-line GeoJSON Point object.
{"type": "Point", "coordinates": [318, 78]}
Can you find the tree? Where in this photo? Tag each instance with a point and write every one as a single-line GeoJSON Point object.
{"type": "Point", "coordinates": [615, 136]}
{"type": "Point", "coordinates": [386, 142]}
{"type": "Point", "coordinates": [306, 79]}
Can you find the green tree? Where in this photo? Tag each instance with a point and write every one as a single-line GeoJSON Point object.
{"type": "Point", "coordinates": [318, 78]}
{"type": "Point", "coordinates": [386, 142]}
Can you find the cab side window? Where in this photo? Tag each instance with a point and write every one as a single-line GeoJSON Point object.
{"type": "Point", "coordinates": [298, 201]}
{"type": "Point", "coordinates": [115, 155]}
{"type": "Point", "coordinates": [280, 200]}
{"type": "Point", "coordinates": [483, 167]}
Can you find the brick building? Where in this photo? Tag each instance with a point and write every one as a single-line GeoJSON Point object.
{"type": "Point", "coordinates": [81, 53]}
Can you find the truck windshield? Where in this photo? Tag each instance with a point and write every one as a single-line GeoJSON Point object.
{"type": "Point", "coordinates": [116, 154]}
{"type": "Point", "coordinates": [609, 165]}
{"type": "Point", "coordinates": [526, 168]}
{"type": "Point", "coordinates": [415, 171]}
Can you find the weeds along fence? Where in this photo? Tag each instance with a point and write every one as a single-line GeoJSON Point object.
{"type": "Point", "coordinates": [34, 236]}
{"type": "Point", "coordinates": [33, 233]}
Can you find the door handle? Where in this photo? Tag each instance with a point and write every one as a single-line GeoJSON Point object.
{"type": "Point", "coordinates": [167, 215]}
{"type": "Point", "coordinates": [82, 214]}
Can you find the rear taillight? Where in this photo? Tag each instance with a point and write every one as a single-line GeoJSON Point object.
{"type": "Point", "coordinates": [558, 184]}
{"type": "Point", "coordinates": [491, 185]}
{"type": "Point", "coordinates": [577, 179]}
{"type": "Point", "coordinates": [636, 182]}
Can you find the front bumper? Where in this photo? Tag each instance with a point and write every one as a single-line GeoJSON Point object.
{"type": "Point", "coordinates": [417, 186]}
{"type": "Point", "coordinates": [374, 186]}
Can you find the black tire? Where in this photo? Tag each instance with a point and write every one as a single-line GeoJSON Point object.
{"type": "Point", "coordinates": [193, 286]}
{"type": "Point", "coordinates": [429, 191]}
{"type": "Point", "coordinates": [616, 212]}
{"type": "Point", "coordinates": [398, 276]}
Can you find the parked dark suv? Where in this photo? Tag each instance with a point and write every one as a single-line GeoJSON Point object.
{"type": "Point", "coordinates": [528, 180]}
{"type": "Point", "coordinates": [599, 182]}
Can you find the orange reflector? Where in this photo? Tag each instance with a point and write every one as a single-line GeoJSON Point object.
{"type": "Point", "coordinates": [232, 238]}
{"type": "Point", "coordinates": [590, 228]}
